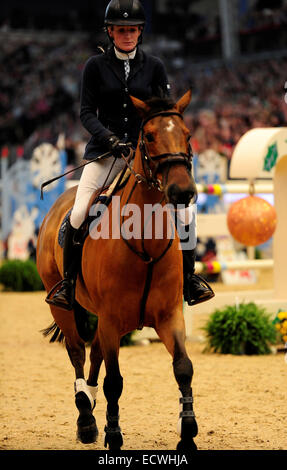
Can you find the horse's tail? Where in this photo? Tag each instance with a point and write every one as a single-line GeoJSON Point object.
{"type": "Point", "coordinates": [55, 330]}
{"type": "Point", "coordinates": [86, 324]}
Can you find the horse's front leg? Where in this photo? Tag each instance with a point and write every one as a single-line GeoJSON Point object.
{"type": "Point", "coordinates": [172, 334]}
{"type": "Point", "coordinates": [85, 395]}
{"type": "Point", "coordinates": [85, 399]}
{"type": "Point", "coordinates": [113, 382]}
{"type": "Point", "coordinates": [183, 371]}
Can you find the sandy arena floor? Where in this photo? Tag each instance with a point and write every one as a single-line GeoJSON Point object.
{"type": "Point", "coordinates": [240, 402]}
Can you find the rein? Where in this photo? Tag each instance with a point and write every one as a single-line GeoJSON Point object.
{"type": "Point", "coordinates": [143, 255]}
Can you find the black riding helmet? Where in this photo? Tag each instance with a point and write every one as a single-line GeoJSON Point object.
{"type": "Point", "coordinates": [125, 12]}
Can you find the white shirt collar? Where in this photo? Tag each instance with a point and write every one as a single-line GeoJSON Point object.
{"type": "Point", "coordinates": [123, 56]}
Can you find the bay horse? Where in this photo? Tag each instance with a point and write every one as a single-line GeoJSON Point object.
{"type": "Point", "coordinates": [127, 282]}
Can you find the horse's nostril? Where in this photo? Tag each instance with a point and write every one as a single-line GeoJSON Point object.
{"type": "Point", "coordinates": [173, 191]}
{"type": "Point", "coordinates": [176, 195]}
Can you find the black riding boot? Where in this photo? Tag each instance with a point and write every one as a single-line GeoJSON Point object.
{"type": "Point", "coordinates": [65, 296]}
{"type": "Point", "coordinates": [195, 288]}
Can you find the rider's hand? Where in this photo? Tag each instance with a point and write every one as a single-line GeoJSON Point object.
{"type": "Point", "coordinates": [117, 147]}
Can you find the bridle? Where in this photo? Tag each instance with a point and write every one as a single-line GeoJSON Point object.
{"type": "Point", "coordinates": [155, 163]}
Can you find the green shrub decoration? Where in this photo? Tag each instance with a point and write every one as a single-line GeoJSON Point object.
{"type": "Point", "coordinates": [20, 276]}
{"type": "Point", "coordinates": [240, 329]}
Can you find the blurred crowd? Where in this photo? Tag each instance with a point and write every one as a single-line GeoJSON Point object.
{"type": "Point", "coordinates": [230, 100]}
{"type": "Point", "coordinates": [39, 95]}
{"type": "Point", "coordinates": [265, 14]}
{"type": "Point", "coordinates": [197, 22]}
{"type": "Point", "coordinates": [39, 88]}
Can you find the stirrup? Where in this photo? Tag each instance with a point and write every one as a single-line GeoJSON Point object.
{"type": "Point", "coordinates": [52, 301]}
{"type": "Point", "coordinates": [209, 293]}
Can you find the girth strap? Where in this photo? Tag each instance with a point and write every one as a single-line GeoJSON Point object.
{"type": "Point", "coordinates": [145, 294]}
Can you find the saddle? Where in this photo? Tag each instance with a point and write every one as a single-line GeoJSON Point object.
{"type": "Point", "coordinates": [102, 195]}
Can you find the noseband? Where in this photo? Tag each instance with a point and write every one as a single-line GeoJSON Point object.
{"type": "Point", "coordinates": [152, 164]}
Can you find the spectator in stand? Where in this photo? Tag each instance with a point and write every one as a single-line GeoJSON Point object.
{"type": "Point", "coordinates": [39, 95]}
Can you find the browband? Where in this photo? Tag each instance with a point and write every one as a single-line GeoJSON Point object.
{"type": "Point", "coordinates": [161, 113]}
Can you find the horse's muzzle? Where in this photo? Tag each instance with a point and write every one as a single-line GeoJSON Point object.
{"type": "Point", "coordinates": [182, 196]}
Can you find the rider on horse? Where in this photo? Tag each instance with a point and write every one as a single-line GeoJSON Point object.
{"type": "Point", "coordinates": [110, 117]}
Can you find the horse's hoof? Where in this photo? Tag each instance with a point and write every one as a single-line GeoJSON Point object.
{"type": "Point", "coordinates": [114, 440]}
{"type": "Point", "coordinates": [186, 446]}
{"type": "Point", "coordinates": [88, 434]}
{"type": "Point", "coordinates": [187, 427]}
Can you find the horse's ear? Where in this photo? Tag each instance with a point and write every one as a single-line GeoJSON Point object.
{"type": "Point", "coordinates": [141, 106]}
{"type": "Point", "coordinates": [183, 102]}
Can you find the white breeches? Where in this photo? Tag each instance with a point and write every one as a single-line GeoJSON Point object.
{"type": "Point", "coordinates": [94, 176]}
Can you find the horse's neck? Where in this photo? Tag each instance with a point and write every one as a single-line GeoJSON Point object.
{"type": "Point", "coordinates": [142, 200]}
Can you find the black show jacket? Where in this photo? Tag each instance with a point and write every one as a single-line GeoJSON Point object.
{"type": "Point", "coordinates": [106, 107]}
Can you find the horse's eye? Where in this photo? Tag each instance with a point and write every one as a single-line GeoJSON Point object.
{"type": "Point", "coordinates": [149, 137]}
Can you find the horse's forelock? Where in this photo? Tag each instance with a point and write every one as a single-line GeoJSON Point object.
{"type": "Point", "coordinates": [157, 104]}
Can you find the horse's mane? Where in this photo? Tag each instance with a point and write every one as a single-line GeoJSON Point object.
{"type": "Point", "coordinates": [157, 104]}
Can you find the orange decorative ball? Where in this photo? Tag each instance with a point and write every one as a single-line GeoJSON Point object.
{"type": "Point", "coordinates": [251, 220]}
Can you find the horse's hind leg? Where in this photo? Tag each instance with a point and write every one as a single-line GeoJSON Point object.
{"type": "Point", "coordinates": [172, 335]}
{"type": "Point", "coordinates": [85, 395]}
{"type": "Point", "coordinates": [113, 382]}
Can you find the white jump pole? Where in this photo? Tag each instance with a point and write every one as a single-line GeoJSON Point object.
{"type": "Point", "coordinates": [217, 267]}
{"type": "Point", "coordinates": [235, 188]}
